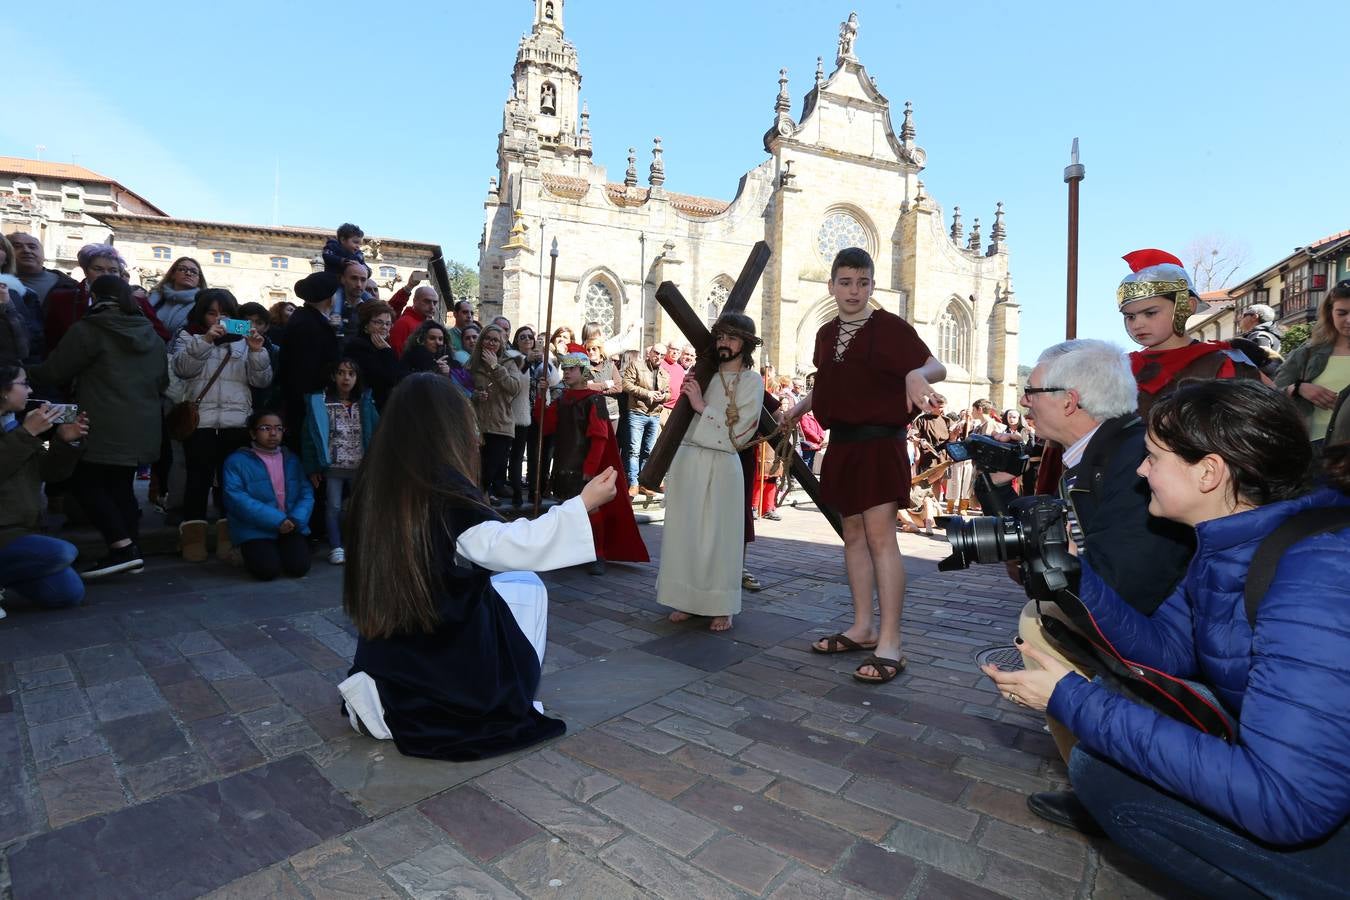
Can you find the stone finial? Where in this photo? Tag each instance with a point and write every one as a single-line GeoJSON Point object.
{"type": "Point", "coordinates": [630, 177]}
{"type": "Point", "coordinates": [657, 172]}
{"type": "Point", "coordinates": [784, 102]}
{"type": "Point", "coordinates": [516, 239]}
{"type": "Point", "coordinates": [848, 34]}
{"type": "Point", "coordinates": [958, 230]}
{"type": "Point", "coordinates": [585, 117]}
{"type": "Point", "coordinates": [820, 70]}
{"type": "Point", "coordinates": [907, 128]}
{"type": "Point", "coordinates": [492, 185]}
{"type": "Point", "coordinates": [974, 243]}
{"type": "Point", "coordinates": [1000, 233]}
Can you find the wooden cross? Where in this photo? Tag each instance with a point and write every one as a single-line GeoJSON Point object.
{"type": "Point", "coordinates": [682, 416]}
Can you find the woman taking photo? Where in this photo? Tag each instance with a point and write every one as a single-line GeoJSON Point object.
{"type": "Point", "coordinates": [118, 364]}
{"type": "Point", "coordinates": [1320, 369]}
{"type": "Point", "coordinates": [219, 372]}
{"type": "Point", "coordinates": [496, 385]}
{"type": "Point", "coordinates": [448, 654]}
{"type": "Point", "coordinates": [530, 360]}
{"type": "Point", "coordinates": [1264, 815]}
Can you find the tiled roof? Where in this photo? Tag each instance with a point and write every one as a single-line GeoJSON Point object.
{"type": "Point", "coordinates": [37, 168]}
{"type": "Point", "coordinates": [306, 230]}
{"type": "Point", "coordinates": [568, 186]}
{"type": "Point", "coordinates": [698, 207]}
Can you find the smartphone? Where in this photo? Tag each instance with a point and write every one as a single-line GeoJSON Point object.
{"type": "Point", "coordinates": [66, 413]}
{"type": "Point", "coordinates": [242, 327]}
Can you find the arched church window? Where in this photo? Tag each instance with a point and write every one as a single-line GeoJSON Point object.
{"type": "Point", "coordinates": [953, 339]}
{"type": "Point", "coordinates": [717, 298]}
{"type": "Point", "coordinates": [598, 306]}
{"type": "Point", "coordinates": [548, 11]}
{"type": "Point", "coordinates": [839, 231]}
{"type": "Point", "coordinates": [548, 103]}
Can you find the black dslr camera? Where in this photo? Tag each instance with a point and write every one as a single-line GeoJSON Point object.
{"type": "Point", "coordinates": [988, 454]}
{"type": "Point", "coordinates": [1035, 534]}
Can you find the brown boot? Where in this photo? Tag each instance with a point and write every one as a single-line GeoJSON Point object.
{"type": "Point", "coordinates": [192, 540]}
{"type": "Point", "coordinates": [223, 544]}
{"type": "Point", "coordinates": [964, 507]}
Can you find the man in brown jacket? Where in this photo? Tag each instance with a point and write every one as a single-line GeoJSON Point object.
{"type": "Point", "coordinates": [648, 388]}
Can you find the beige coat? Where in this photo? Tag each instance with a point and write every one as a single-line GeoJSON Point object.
{"type": "Point", "coordinates": [495, 390]}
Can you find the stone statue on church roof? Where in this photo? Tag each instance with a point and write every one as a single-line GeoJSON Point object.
{"type": "Point", "coordinates": [848, 33]}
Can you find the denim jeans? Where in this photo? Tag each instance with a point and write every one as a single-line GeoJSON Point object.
{"type": "Point", "coordinates": [1210, 857]}
{"type": "Point", "coordinates": [333, 504]}
{"type": "Point", "coordinates": [642, 432]}
{"type": "Point", "coordinates": [37, 568]}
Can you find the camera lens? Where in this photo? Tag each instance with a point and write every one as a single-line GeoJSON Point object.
{"type": "Point", "coordinates": [984, 539]}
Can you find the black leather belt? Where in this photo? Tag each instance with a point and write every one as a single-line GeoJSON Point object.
{"type": "Point", "coordinates": [852, 434]}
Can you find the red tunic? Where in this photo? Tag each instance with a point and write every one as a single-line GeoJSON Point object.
{"type": "Point", "coordinates": [613, 526]}
{"type": "Point", "coordinates": [866, 387]}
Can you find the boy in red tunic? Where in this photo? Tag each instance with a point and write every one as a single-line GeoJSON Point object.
{"type": "Point", "coordinates": [873, 375]}
{"type": "Point", "coordinates": [584, 446]}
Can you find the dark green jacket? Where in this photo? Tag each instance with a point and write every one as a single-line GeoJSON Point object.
{"type": "Point", "coordinates": [119, 369]}
{"type": "Point", "coordinates": [24, 465]}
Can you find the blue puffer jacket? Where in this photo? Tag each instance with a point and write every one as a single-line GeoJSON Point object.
{"type": "Point", "coordinates": [1288, 684]}
{"type": "Point", "coordinates": [251, 504]}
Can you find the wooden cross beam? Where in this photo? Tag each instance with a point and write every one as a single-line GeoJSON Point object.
{"type": "Point", "coordinates": [691, 325]}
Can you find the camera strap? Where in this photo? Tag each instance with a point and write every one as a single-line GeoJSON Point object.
{"type": "Point", "coordinates": [1305, 524]}
{"type": "Point", "coordinates": [1171, 696]}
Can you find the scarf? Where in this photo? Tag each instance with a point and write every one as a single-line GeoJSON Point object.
{"type": "Point", "coordinates": [8, 422]}
{"type": "Point", "coordinates": [169, 295]}
{"type": "Point", "coordinates": [1156, 369]}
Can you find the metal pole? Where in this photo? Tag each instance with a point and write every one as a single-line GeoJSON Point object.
{"type": "Point", "coordinates": [542, 391]}
{"type": "Point", "coordinates": [1074, 174]}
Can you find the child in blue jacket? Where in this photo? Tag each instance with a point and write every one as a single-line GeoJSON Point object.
{"type": "Point", "coordinates": [339, 424]}
{"type": "Point", "coordinates": [344, 248]}
{"type": "Point", "coordinates": [268, 501]}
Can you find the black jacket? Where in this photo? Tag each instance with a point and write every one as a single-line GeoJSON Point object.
{"type": "Point", "coordinates": [310, 352]}
{"type": "Point", "coordinates": [380, 369]}
{"type": "Point", "coordinates": [1141, 556]}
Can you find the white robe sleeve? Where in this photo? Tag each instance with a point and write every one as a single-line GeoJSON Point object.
{"type": "Point", "coordinates": [559, 538]}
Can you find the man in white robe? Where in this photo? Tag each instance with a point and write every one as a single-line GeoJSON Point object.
{"type": "Point", "coordinates": [702, 544]}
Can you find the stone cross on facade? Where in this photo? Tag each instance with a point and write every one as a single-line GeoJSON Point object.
{"type": "Point", "coordinates": [681, 417]}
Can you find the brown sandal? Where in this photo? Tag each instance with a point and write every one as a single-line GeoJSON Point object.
{"type": "Point", "coordinates": [841, 643]}
{"type": "Point", "coordinates": [881, 664]}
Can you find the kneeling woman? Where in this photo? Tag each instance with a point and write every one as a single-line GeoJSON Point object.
{"type": "Point", "coordinates": [1265, 815]}
{"type": "Point", "coordinates": [448, 654]}
{"type": "Point", "coordinates": [268, 501]}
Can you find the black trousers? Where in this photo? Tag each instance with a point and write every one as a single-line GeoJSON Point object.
{"type": "Point", "coordinates": [522, 448]}
{"type": "Point", "coordinates": [107, 495]}
{"type": "Point", "coordinates": [205, 451]}
{"type": "Point", "coordinates": [163, 466]}
{"type": "Point", "coordinates": [496, 455]}
{"type": "Point", "coordinates": [267, 558]}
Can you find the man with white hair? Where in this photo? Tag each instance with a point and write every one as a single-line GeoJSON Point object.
{"type": "Point", "coordinates": [1257, 324]}
{"type": "Point", "coordinates": [1083, 395]}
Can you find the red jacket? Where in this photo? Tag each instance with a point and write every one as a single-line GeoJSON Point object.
{"type": "Point", "coordinates": [404, 327]}
{"type": "Point", "coordinates": [67, 305]}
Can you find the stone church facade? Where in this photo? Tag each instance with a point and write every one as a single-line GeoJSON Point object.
{"type": "Point", "coordinates": [837, 176]}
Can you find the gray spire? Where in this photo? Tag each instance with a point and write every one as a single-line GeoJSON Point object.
{"type": "Point", "coordinates": [585, 117]}
{"type": "Point", "coordinates": [958, 230]}
{"type": "Point", "coordinates": [907, 129]}
{"type": "Point", "coordinates": [820, 70]}
{"type": "Point", "coordinates": [974, 243]}
{"type": "Point", "coordinates": [657, 172]}
{"type": "Point", "coordinates": [630, 177]}
{"type": "Point", "coordinates": [784, 102]}
{"type": "Point", "coordinates": [1000, 233]}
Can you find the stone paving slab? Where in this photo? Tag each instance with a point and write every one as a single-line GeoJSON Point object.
{"type": "Point", "coordinates": [180, 736]}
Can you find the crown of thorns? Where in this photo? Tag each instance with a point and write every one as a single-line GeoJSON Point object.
{"type": "Point", "coordinates": [732, 331]}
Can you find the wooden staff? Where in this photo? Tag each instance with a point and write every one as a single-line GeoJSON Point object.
{"type": "Point", "coordinates": [1074, 174]}
{"type": "Point", "coordinates": [541, 392]}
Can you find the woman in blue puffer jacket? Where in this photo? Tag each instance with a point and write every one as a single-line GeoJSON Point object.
{"type": "Point", "coordinates": [1265, 815]}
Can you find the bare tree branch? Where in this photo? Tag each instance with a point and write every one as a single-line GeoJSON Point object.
{"type": "Point", "coordinates": [1213, 260]}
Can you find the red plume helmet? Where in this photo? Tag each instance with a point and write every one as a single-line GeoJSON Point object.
{"type": "Point", "coordinates": [575, 348]}
{"type": "Point", "coordinates": [1142, 259]}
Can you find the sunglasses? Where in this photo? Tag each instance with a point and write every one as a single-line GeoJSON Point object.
{"type": "Point", "coordinates": [1029, 390]}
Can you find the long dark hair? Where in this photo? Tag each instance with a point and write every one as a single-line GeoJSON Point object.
{"type": "Point", "coordinates": [167, 280]}
{"type": "Point", "coordinates": [330, 392]}
{"type": "Point", "coordinates": [9, 372]}
{"type": "Point", "coordinates": [223, 299]}
{"type": "Point", "coordinates": [1256, 430]}
{"type": "Point", "coordinates": [743, 327]}
{"type": "Point", "coordinates": [424, 457]}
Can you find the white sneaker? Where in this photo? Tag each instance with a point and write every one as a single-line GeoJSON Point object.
{"type": "Point", "coordinates": [337, 556]}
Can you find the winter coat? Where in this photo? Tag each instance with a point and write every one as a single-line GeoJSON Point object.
{"type": "Point", "coordinates": [67, 304]}
{"type": "Point", "coordinates": [1286, 682]}
{"type": "Point", "coordinates": [380, 369]}
{"type": "Point", "coordinates": [24, 465]}
{"type": "Point", "coordinates": [119, 367]}
{"type": "Point", "coordinates": [336, 257]}
{"type": "Point", "coordinates": [308, 354]}
{"type": "Point", "coordinates": [520, 403]}
{"type": "Point", "coordinates": [642, 383]}
{"type": "Point", "coordinates": [229, 403]}
{"type": "Point", "coordinates": [502, 384]}
{"type": "Point", "coordinates": [14, 337]}
{"type": "Point", "coordinates": [314, 442]}
{"type": "Point", "coordinates": [172, 307]}
{"type": "Point", "coordinates": [251, 504]}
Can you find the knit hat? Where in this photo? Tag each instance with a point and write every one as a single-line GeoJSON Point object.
{"type": "Point", "coordinates": [1157, 273]}
{"type": "Point", "coordinates": [578, 360]}
{"type": "Point", "coordinates": [317, 287]}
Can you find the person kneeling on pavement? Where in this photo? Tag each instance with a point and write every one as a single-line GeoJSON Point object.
{"type": "Point", "coordinates": [33, 566]}
{"type": "Point", "coordinates": [1258, 806]}
{"type": "Point", "coordinates": [268, 501]}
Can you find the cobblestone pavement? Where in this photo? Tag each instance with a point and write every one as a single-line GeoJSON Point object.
{"type": "Point", "coordinates": [180, 736]}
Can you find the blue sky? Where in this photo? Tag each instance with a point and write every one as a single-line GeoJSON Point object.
{"type": "Point", "coordinates": [1195, 118]}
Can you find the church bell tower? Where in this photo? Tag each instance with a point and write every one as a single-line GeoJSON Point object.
{"type": "Point", "coordinates": [544, 120]}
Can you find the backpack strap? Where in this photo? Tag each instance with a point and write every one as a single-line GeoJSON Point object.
{"type": "Point", "coordinates": [1261, 571]}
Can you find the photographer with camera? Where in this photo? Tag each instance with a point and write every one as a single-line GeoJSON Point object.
{"type": "Point", "coordinates": [1250, 799]}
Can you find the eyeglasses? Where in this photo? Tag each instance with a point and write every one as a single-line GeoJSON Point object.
{"type": "Point", "coordinates": [182, 270]}
{"type": "Point", "coordinates": [1028, 390]}
{"type": "Point", "coordinates": [271, 428]}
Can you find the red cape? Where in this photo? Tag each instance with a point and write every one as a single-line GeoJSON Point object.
{"type": "Point", "coordinates": [613, 525]}
{"type": "Point", "coordinates": [1155, 369]}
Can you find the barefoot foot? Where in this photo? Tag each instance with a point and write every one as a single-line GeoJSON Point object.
{"type": "Point", "coordinates": [720, 623]}
{"type": "Point", "coordinates": [677, 616]}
